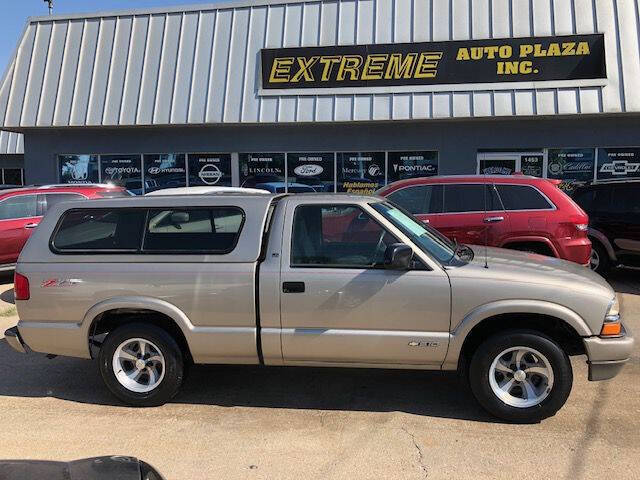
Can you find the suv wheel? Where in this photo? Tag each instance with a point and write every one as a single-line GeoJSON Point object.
{"type": "Point", "coordinates": [521, 376]}
{"type": "Point", "coordinates": [141, 364]}
{"type": "Point", "coordinates": [599, 261]}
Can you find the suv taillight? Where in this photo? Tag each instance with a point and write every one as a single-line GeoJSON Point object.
{"type": "Point", "coordinates": [20, 287]}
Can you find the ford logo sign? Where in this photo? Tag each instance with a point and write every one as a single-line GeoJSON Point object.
{"type": "Point", "coordinates": [308, 170]}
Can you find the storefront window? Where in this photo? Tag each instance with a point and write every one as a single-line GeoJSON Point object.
{"type": "Point", "coordinates": [164, 171]}
{"type": "Point", "coordinates": [310, 172]}
{"type": "Point", "coordinates": [262, 170]}
{"type": "Point", "coordinates": [209, 169]}
{"type": "Point", "coordinates": [574, 166]}
{"type": "Point", "coordinates": [123, 170]}
{"type": "Point", "coordinates": [411, 164]}
{"type": "Point", "coordinates": [532, 165]}
{"type": "Point", "coordinates": [12, 176]}
{"type": "Point", "coordinates": [498, 166]}
{"type": "Point", "coordinates": [618, 163]}
{"type": "Point", "coordinates": [360, 172]}
{"type": "Point", "coordinates": [78, 168]}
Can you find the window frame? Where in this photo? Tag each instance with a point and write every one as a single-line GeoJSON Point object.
{"type": "Point", "coordinates": [140, 250]}
{"type": "Point", "coordinates": [20, 195]}
{"type": "Point", "coordinates": [552, 206]}
{"type": "Point", "coordinates": [337, 266]}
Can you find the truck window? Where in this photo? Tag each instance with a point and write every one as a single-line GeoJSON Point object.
{"type": "Point", "coordinates": [337, 236]}
{"type": "Point", "coordinates": [99, 230]}
{"type": "Point", "coordinates": [191, 230]}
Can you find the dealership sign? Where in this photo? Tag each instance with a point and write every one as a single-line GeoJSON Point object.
{"type": "Point", "coordinates": [618, 163]}
{"type": "Point", "coordinates": [360, 172]}
{"type": "Point", "coordinates": [533, 59]}
{"type": "Point", "coordinates": [209, 169]}
{"type": "Point", "coordinates": [411, 164]}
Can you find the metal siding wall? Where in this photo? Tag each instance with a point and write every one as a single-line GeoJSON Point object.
{"type": "Point", "coordinates": [202, 66]}
{"type": "Point", "coordinates": [11, 143]}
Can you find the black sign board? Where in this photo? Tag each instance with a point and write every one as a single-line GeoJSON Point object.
{"type": "Point", "coordinates": [494, 166]}
{"type": "Point", "coordinates": [262, 170]}
{"type": "Point", "coordinates": [531, 165]}
{"type": "Point", "coordinates": [209, 169]}
{"type": "Point", "coordinates": [310, 172]}
{"type": "Point", "coordinates": [618, 163]}
{"type": "Point", "coordinates": [570, 57]}
{"type": "Point", "coordinates": [574, 166]}
{"type": "Point", "coordinates": [360, 172]}
{"type": "Point", "coordinates": [123, 170]}
{"type": "Point", "coordinates": [78, 168]}
{"type": "Point", "coordinates": [411, 164]}
{"type": "Point", "coordinates": [164, 171]}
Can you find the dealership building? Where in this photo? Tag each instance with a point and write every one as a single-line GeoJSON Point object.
{"type": "Point", "coordinates": [327, 95]}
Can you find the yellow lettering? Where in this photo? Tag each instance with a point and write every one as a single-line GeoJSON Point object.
{"type": "Point", "coordinates": [427, 66]}
{"type": "Point", "coordinates": [305, 69]}
{"type": "Point", "coordinates": [526, 67]}
{"type": "Point", "coordinates": [525, 50]}
{"type": "Point", "coordinates": [568, 48]}
{"type": "Point", "coordinates": [328, 62]}
{"type": "Point", "coordinates": [511, 68]}
{"type": "Point", "coordinates": [538, 51]}
{"type": "Point", "coordinates": [505, 51]}
{"type": "Point", "coordinates": [374, 66]}
{"type": "Point", "coordinates": [476, 53]}
{"type": "Point", "coordinates": [500, 70]}
{"type": "Point", "coordinates": [463, 54]}
{"type": "Point", "coordinates": [554, 50]}
{"type": "Point", "coordinates": [350, 64]}
{"type": "Point", "coordinates": [281, 70]}
{"type": "Point", "coordinates": [491, 52]}
{"type": "Point", "coordinates": [583, 49]}
{"type": "Point", "coordinates": [399, 68]}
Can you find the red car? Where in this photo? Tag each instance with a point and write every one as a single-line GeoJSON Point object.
{"type": "Point", "coordinates": [22, 208]}
{"type": "Point", "coordinates": [517, 211]}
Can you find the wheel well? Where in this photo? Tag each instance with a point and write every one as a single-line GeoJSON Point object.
{"type": "Point", "coordinates": [111, 319]}
{"type": "Point", "coordinates": [558, 330]}
{"type": "Point", "coordinates": [531, 246]}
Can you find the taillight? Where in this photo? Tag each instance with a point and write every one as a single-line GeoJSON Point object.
{"type": "Point", "coordinates": [20, 287]}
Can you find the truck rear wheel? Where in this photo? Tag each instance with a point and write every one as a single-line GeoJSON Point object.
{"type": "Point", "coordinates": [141, 364]}
{"type": "Point", "coordinates": [521, 376]}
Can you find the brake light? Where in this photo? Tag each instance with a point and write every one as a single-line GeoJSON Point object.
{"type": "Point", "coordinates": [583, 227]}
{"type": "Point", "coordinates": [20, 287]}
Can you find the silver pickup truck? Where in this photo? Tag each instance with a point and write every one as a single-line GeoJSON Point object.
{"type": "Point", "coordinates": [149, 285]}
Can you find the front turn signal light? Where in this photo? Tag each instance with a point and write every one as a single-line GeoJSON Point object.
{"type": "Point", "coordinates": [611, 329]}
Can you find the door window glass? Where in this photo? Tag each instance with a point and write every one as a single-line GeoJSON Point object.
{"type": "Point", "coordinates": [12, 176]}
{"type": "Point", "coordinates": [337, 236]}
{"type": "Point", "coordinates": [522, 197]}
{"type": "Point", "coordinates": [19, 206]}
{"type": "Point", "coordinates": [419, 199]}
{"type": "Point", "coordinates": [211, 230]}
{"type": "Point", "coordinates": [470, 198]}
{"type": "Point", "coordinates": [55, 198]}
{"type": "Point", "coordinates": [90, 230]}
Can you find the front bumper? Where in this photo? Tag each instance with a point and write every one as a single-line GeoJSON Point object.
{"type": "Point", "coordinates": [12, 335]}
{"type": "Point", "coordinates": [607, 356]}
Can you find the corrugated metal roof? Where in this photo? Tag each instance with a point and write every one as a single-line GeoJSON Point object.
{"type": "Point", "coordinates": [11, 143]}
{"type": "Point", "coordinates": [199, 65]}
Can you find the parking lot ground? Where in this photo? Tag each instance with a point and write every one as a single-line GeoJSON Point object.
{"type": "Point", "coordinates": [278, 423]}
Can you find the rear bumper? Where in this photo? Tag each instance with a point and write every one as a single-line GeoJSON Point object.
{"type": "Point", "coordinates": [13, 338]}
{"type": "Point", "coordinates": [607, 356]}
{"type": "Point", "coordinates": [576, 250]}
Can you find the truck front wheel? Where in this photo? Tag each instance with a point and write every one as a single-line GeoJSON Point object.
{"type": "Point", "coordinates": [141, 364]}
{"type": "Point", "coordinates": [521, 376]}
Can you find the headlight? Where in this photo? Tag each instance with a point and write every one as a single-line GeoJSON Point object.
{"type": "Point", "coordinates": [612, 326]}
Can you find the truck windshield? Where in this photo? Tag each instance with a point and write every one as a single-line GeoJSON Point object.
{"type": "Point", "coordinates": [428, 239]}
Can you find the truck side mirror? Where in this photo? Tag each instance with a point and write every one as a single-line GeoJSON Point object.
{"type": "Point", "coordinates": [398, 256]}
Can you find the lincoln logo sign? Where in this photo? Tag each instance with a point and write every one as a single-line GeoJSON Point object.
{"type": "Point", "coordinates": [571, 57]}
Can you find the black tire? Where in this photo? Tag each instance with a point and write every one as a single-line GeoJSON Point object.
{"type": "Point", "coordinates": [173, 361]}
{"type": "Point", "coordinates": [604, 263]}
{"type": "Point", "coordinates": [560, 365]}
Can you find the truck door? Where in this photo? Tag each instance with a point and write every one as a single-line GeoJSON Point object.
{"type": "Point", "coordinates": [339, 307]}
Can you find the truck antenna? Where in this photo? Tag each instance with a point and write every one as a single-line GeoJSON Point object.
{"type": "Point", "coordinates": [486, 227]}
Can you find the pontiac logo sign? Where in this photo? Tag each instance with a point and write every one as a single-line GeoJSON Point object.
{"type": "Point", "coordinates": [535, 59]}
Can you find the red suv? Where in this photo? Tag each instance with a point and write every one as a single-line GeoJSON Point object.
{"type": "Point", "coordinates": [22, 208]}
{"type": "Point", "coordinates": [518, 211]}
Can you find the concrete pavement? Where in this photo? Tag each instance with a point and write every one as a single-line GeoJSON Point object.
{"type": "Point", "coordinates": [278, 423]}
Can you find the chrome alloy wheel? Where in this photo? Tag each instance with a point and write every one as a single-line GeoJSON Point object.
{"type": "Point", "coordinates": [521, 377]}
{"type": "Point", "coordinates": [594, 262]}
{"type": "Point", "coordinates": [138, 365]}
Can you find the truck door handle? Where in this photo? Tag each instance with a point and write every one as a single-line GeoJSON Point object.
{"type": "Point", "coordinates": [292, 287]}
{"type": "Point", "coordinates": [493, 219]}
{"type": "Point", "coordinates": [31, 225]}
{"type": "Point", "coordinates": [426, 220]}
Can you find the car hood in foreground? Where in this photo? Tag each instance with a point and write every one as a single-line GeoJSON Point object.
{"type": "Point", "coordinates": [512, 274]}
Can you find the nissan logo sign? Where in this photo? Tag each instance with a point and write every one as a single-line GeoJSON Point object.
{"type": "Point", "coordinates": [210, 174]}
